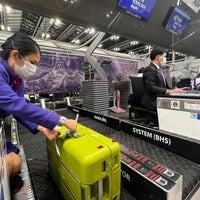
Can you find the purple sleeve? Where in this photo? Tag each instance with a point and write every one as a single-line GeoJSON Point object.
{"type": "Point", "coordinates": [11, 103]}
{"type": "Point", "coordinates": [29, 125]}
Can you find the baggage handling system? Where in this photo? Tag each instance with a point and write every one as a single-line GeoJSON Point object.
{"type": "Point", "coordinates": [4, 180]}
{"type": "Point", "coordinates": [147, 170]}
{"type": "Point", "coordinates": [21, 188]}
{"type": "Point", "coordinates": [159, 173]}
{"type": "Point", "coordinates": [183, 146]}
{"type": "Point", "coordinates": [139, 172]}
{"type": "Point", "coordinates": [85, 165]}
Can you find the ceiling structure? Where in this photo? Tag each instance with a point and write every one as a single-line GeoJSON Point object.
{"type": "Point", "coordinates": [76, 21]}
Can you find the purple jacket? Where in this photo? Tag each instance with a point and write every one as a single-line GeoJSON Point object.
{"type": "Point", "coordinates": [12, 101]}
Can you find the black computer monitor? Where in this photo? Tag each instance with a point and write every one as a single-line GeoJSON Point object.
{"type": "Point", "coordinates": [184, 82]}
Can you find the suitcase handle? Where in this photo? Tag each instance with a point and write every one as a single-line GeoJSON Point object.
{"type": "Point", "coordinates": [100, 189]}
{"type": "Point", "coordinates": [64, 132]}
{"type": "Point", "coordinates": [63, 136]}
{"type": "Point", "coordinates": [57, 149]}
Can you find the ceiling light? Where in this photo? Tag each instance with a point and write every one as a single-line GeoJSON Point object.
{"type": "Point", "coordinates": [8, 28]}
{"type": "Point", "coordinates": [109, 14]}
{"type": "Point", "coordinates": [114, 37]}
{"type": "Point", "coordinates": [148, 47]}
{"type": "Point", "coordinates": [52, 21]}
{"type": "Point", "coordinates": [134, 42]}
{"type": "Point", "coordinates": [57, 22]}
{"type": "Point", "coordinates": [77, 41]}
{"type": "Point", "coordinates": [87, 30]}
{"type": "Point", "coordinates": [92, 30]}
{"type": "Point", "coordinates": [116, 49]}
{"type": "Point", "coordinates": [131, 53]}
{"type": "Point", "coordinates": [48, 35]}
{"type": "Point", "coordinates": [70, 1]}
{"type": "Point", "coordinates": [2, 27]}
{"type": "Point", "coordinates": [8, 9]}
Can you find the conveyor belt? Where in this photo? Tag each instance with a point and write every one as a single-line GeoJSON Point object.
{"type": "Point", "coordinates": [44, 188]}
{"type": "Point", "coordinates": [20, 185]}
{"type": "Point", "coordinates": [189, 170]}
{"type": "Point", "coordinates": [35, 150]}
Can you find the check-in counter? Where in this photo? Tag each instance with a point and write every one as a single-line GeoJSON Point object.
{"type": "Point", "coordinates": [180, 115]}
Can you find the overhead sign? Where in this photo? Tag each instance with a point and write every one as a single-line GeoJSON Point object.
{"type": "Point", "coordinates": [139, 8]}
{"type": "Point", "coordinates": [193, 4]}
{"type": "Point", "coordinates": [176, 20]}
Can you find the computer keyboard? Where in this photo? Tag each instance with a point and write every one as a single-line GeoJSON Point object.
{"type": "Point", "coordinates": [192, 91]}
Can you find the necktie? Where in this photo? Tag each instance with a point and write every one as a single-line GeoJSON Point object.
{"type": "Point", "coordinates": [162, 76]}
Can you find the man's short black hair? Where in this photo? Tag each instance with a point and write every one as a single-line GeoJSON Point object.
{"type": "Point", "coordinates": [155, 52]}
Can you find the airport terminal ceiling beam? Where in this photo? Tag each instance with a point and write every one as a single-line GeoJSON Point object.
{"type": "Point", "coordinates": [93, 13]}
{"type": "Point", "coordinates": [80, 12]}
{"type": "Point", "coordinates": [92, 60]}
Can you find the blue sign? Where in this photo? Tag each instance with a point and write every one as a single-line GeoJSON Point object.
{"type": "Point", "coordinates": [139, 8]}
{"type": "Point", "coordinates": [177, 19]}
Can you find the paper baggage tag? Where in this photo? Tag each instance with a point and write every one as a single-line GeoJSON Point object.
{"type": "Point", "coordinates": [64, 132]}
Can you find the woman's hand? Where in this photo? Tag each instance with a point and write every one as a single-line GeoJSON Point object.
{"type": "Point", "coordinates": [71, 124]}
{"type": "Point", "coordinates": [50, 134]}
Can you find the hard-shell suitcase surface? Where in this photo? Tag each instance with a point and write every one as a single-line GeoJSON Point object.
{"type": "Point", "coordinates": [85, 165]}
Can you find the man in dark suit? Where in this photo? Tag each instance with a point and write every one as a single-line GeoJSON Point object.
{"type": "Point", "coordinates": [154, 82]}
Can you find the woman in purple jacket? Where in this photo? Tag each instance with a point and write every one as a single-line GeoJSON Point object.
{"type": "Point", "coordinates": [19, 58]}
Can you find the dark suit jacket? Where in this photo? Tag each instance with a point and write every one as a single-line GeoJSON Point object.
{"type": "Point", "coordinates": [154, 86]}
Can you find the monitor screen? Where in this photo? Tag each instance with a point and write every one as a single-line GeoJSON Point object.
{"type": "Point", "coordinates": [176, 20]}
{"type": "Point", "coordinates": [139, 8]}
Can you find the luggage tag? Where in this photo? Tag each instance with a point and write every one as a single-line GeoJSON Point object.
{"type": "Point", "coordinates": [64, 132]}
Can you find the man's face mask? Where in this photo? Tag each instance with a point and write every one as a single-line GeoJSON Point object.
{"type": "Point", "coordinates": [163, 62]}
{"type": "Point", "coordinates": [25, 71]}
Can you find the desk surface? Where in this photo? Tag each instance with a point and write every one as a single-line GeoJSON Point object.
{"type": "Point", "coordinates": [187, 95]}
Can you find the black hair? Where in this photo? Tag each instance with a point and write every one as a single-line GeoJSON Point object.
{"type": "Point", "coordinates": [155, 52]}
{"type": "Point", "coordinates": [21, 42]}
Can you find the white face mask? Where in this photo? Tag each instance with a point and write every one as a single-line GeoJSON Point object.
{"type": "Point", "coordinates": [25, 71]}
{"type": "Point", "coordinates": [163, 62]}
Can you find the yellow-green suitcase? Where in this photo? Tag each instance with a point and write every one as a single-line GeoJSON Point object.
{"type": "Point", "coordinates": [85, 165]}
